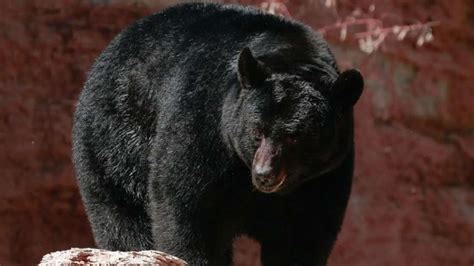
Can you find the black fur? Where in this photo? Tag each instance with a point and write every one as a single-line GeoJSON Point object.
{"type": "Point", "coordinates": [171, 116]}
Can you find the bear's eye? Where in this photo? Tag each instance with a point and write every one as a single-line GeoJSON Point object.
{"type": "Point", "coordinates": [258, 134]}
{"type": "Point", "coordinates": [291, 140]}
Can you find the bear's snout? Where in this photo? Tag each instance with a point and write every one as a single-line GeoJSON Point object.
{"type": "Point", "coordinates": [267, 174]}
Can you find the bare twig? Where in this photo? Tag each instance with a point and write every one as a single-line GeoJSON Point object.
{"type": "Point", "coordinates": [277, 7]}
{"type": "Point", "coordinates": [375, 32]}
{"type": "Point", "coordinates": [368, 28]}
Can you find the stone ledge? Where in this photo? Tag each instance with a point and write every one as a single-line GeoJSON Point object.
{"type": "Point", "coordinates": [91, 256]}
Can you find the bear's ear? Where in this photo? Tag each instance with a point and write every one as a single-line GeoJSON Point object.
{"type": "Point", "coordinates": [251, 72]}
{"type": "Point", "coordinates": [348, 88]}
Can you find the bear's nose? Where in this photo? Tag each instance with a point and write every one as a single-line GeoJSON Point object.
{"type": "Point", "coordinates": [262, 168]}
{"type": "Point", "coordinates": [265, 162]}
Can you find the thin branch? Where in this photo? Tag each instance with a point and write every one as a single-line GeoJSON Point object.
{"type": "Point", "coordinates": [375, 33]}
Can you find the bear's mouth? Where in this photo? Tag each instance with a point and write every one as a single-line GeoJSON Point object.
{"type": "Point", "coordinates": [271, 183]}
{"type": "Point", "coordinates": [268, 173]}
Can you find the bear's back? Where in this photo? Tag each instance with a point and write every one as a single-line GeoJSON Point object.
{"type": "Point", "coordinates": [189, 48]}
{"type": "Point", "coordinates": [204, 32]}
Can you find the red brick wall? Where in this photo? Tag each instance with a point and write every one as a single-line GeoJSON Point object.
{"type": "Point", "coordinates": [413, 196]}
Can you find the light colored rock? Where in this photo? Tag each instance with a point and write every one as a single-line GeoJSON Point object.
{"type": "Point", "coordinates": [92, 256]}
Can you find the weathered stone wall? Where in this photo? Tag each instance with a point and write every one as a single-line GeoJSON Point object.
{"type": "Point", "coordinates": [413, 196]}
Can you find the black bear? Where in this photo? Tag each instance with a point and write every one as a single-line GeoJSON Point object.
{"type": "Point", "coordinates": [206, 121]}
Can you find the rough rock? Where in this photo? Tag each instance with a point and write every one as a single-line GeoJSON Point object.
{"type": "Point", "coordinates": [91, 256]}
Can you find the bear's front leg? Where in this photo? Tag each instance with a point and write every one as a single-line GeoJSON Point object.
{"type": "Point", "coordinates": [182, 227]}
{"type": "Point", "coordinates": [304, 236]}
{"type": "Point", "coordinates": [187, 212]}
{"type": "Point", "coordinates": [304, 225]}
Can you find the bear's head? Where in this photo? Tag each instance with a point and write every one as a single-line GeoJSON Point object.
{"type": "Point", "coordinates": [288, 128]}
